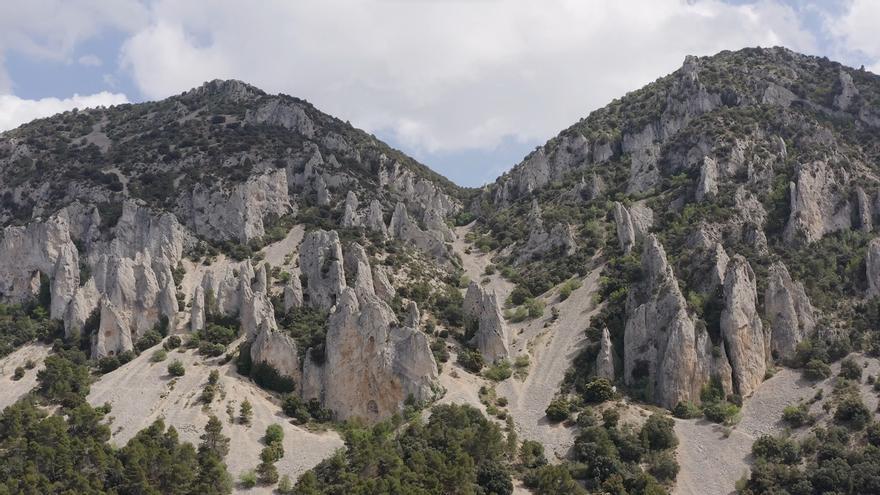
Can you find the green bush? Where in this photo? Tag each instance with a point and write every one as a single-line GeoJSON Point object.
{"type": "Point", "coordinates": [852, 411]}
{"type": "Point", "coordinates": [499, 371]}
{"type": "Point", "coordinates": [558, 410]}
{"type": "Point", "coordinates": [172, 342]}
{"type": "Point", "coordinates": [687, 410]}
{"type": "Point", "coordinates": [18, 374]}
{"type": "Point", "coordinates": [531, 454]}
{"type": "Point", "coordinates": [175, 368]}
{"type": "Point", "coordinates": [658, 433]}
{"type": "Point", "coordinates": [470, 359]}
{"type": "Point", "coordinates": [816, 370]}
{"type": "Point", "coordinates": [776, 449]}
{"type": "Point", "coordinates": [598, 390]}
{"type": "Point", "coordinates": [722, 412]}
{"type": "Point", "coordinates": [274, 433]}
{"type": "Point", "coordinates": [248, 479]}
{"type": "Point", "coordinates": [797, 416]}
{"type": "Point", "coordinates": [158, 356]}
{"type": "Point", "coordinates": [663, 466]}
{"type": "Point", "coordinates": [850, 370]}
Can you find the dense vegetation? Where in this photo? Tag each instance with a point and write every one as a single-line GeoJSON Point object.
{"type": "Point", "coordinates": [456, 451]}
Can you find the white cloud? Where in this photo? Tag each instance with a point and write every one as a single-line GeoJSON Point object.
{"type": "Point", "coordinates": [15, 111]}
{"type": "Point", "coordinates": [857, 30]}
{"type": "Point", "coordinates": [90, 60]}
{"type": "Point", "coordinates": [446, 75]}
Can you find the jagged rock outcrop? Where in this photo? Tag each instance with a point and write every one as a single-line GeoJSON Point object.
{"type": "Point", "coordinates": [237, 213]}
{"type": "Point", "coordinates": [320, 260]}
{"type": "Point", "coordinates": [384, 290]}
{"type": "Point", "coordinates": [404, 228]}
{"type": "Point", "coordinates": [413, 315]}
{"type": "Point", "coordinates": [197, 313]}
{"type": "Point", "coordinates": [872, 267]}
{"type": "Point", "coordinates": [374, 220]}
{"type": "Point", "coordinates": [605, 358]}
{"type": "Point", "coordinates": [632, 224]}
{"type": "Point", "coordinates": [848, 91]}
{"type": "Point", "coordinates": [746, 342]}
{"type": "Point", "coordinates": [349, 215]}
{"type": "Point", "coordinates": [491, 337]}
{"type": "Point", "coordinates": [284, 113]}
{"type": "Point", "coordinates": [864, 210]}
{"type": "Point", "coordinates": [820, 202]}
{"type": "Point", "coordinates": [278, 350]}
{"type": "Point", "coordinates": [357, 269]}
{"type": "Point", "coordinates": [788, 311]}
{"type": "Point", "coordinates": [541, 241]}
{"type": "Point", "coordinates": [293, 293]}
{"type": "Point", "coordinates": [707, 187]}
{"type": "Point", "coordinates": [372, 363]}
{"type": "Point", "coordinates": [257, 312]}
{"type": "Point", "coordinates": [660, 341]}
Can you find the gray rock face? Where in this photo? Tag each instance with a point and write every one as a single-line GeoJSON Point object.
{"type": "Point", "coordinates": [746, 342]}
{"type": "Point", "coordinates": [605, 358]}
{"type": "Point", "coordinates": [872, 267]}
{"type": "Point", "coordinates": [279, 351]}
{"type": "Point", "coordinates": [374, 220]}
{"type": "Point", "coordinates": [413, 315]}
{"type": "Point", "coordinates": [293, 293]}
{"type": "Point", "coordinates": [491, 336]}
{"type": "Point", "coordinates": [197, 313]}
{"type": "Point", "coordinates": [404, 228]}
{"type": "Point", "coordinates": [320, 260]}
{"type": "Point", "coordinates": [384, 290]}
{"type": "Point", "coordinates": [788, 311]}
{"type": "Point", "coordinates": [238, 213]}
{"type": "Point", "coordinates": [864, 210]}
{"type": "Point", "coordinates": [372, 364]}
{"type": "Point", "coordinates": [848, 91]}
{"type": "Point", "coordinates": [707, 187]}
{"type": "Point", "coordinates": [350, 217]}
{"type": "Point", "coordinates": [287, 114]}
{"type": "Point", "coordinates": [660, 342]}
{"type": "Point", "coordinates": [541, 241]}
{"type": "Point", "coordinates": [257, 313]}
{"type": "Point", "coordinates": [632, 224]}
{"type": "Point", "coordinates": [820, 203]}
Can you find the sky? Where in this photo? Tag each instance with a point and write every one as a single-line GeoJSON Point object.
{"type": "Point", "coordinates": [467, 87]}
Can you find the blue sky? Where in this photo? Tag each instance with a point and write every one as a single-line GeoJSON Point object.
{"type": "Point", "coordinates": [466, 87]}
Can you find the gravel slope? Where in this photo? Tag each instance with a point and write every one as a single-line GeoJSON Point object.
{"type": "Point", "coordinates": [13, 390]}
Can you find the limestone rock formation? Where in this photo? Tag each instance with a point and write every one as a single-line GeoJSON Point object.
{"type": "Point", "coordinates": [257, 312]}
{"type": "Point", "coordinates": [746, 342]}
{"type": "Point", "coordinates": [278, 350]}
{"type": "Point", "coordinates": [372, 363]}
{"type": "Point", "coordinates": [293, 293]}
{"type": "Point", "coordinates": [820, 202]}
{"type": "Point", "coordinates": [788, 311]}
{"type": "Point", "coordinates": [320, 260]}
{"type": "Point", "coordinates": [349, 217]}
{"type": "Point", "coordinates": [404, 228]}
{"type": "Point", "coordinates": [632, 224]}
{"type": "Point", "coordinates": [382, 285]}
{"type": "Point", "coordinates": [707, 187]}
{"type": "Point", "coordinates": [197, 313]}
{"type": "Point", "coordinates": [660, 342]}
{"type": "Point", "coordinates": [605, 358]}
{"type": "Point", "coordinates": [541, 241]}
{"type": "Point", "coordinates": [872, 267]}
{"type": "Point", "coordinates": [491, 336]}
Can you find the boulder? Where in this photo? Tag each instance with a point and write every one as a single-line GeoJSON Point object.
{"type": "Point", "coordinates": [491, 337]}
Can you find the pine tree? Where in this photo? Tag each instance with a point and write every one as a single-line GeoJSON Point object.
{"type": "Point", "coordinates": [246, 413]}
{"type": "Point", "coordinates": [213, 478]}
{"type": "Point", "coordinates": [213, 439]}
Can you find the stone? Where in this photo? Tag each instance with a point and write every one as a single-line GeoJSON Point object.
{"type": "Point", "coordinates": [707, 187]}
{"type": "Point", "coordinates": [404, 228]}
{"type": "Point", "coordinates": [605, 358]}
{"type": "Point", "coordinates": [872, 267]}
{"type": "Point", "coordinates": [746, 342]}
{"type": "Point", "coordinates": [788, 312]}
{"type": "Point", "coordinates": [491, 337]}
{"type": "Point", "coordinates": [819, 203]}
{"type": "Point", "coordinates": [293, 293]}
{"type": "Point", "coordinates": [381, 284]}
{"type": "Point", "coordinates": [197, 313]}
{"type": "Point", "coordinates": [278, 350]}
{"type": "Point", "coordinates": [320, 260]}
{"type": "Point", "coordinates": [349, 217]}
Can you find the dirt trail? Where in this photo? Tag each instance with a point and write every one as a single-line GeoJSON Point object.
{"type": "Point", "coordinates": [141, 392]}
{"type": "Point", "coordinates": [712, 464]}
{"type": "Point", "coordinates": [274, 253]}
{"type": "Point", "coordinates": [552, 351]}
{"type": "Point", "coordinates": [13, 390]}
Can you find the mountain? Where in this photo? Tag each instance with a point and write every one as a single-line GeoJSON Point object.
{"type": "Point", "coordinates": [684, 249]}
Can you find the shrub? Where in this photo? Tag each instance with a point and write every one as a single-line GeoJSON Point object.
{"type": "Point", "coordinates": [776, 449]}
{"type": "Point", "coordinates": [610, 418]}
{"type": "Point", "coordinates": [158, 356]}
{"type": "Point", "coordinates": [850, 370]}
{"type": "Point", "coordinates": [686, 410]}
{"type": "Point", "coordinates": [534, 307]}
{"type": "Point", "coordinates": [599, 390]}
{"type": "Point", "coordinates": [721, 412]}
{"type": "Point", "coordinates": [853, 412]}
{"type": "Point", "coordinates": [149, 339]}
{"type": "Point", "coordinates": [294, 407]}
{"type": "Point", "coordinates": [268, 377]}
{"type": "Point", "coordinates": [663, 466]}
{"type": "Point", "coordinates": [471, 360]}
{"type": "Point", "coordinates": [172, 342]}
{"type": "Point", "coordinates": [499, 371]}
{"type": "Point", "coordinates": [658, 433]}
{"type": "Point", "coordinates": [558, 410]}
{"type": "Point", "coordinates": [107, 364]}
{"type": "Point", "coordinates": [816, 370]}
{"type": "Point", "coordinates": [248, 479]}
{"type": "Point", "coordinates": [531, 454]}
{"type": "Point", "coordinates": [797, 416]}
{"type": "Point", "coordinates": [18, 374]}
{"type": "Point", "coordinates": [567, 288]}
{"type": "Point", "coordinates": [274, 433]}
{"type": "Point", "coordinates": [245, 413]}
{"type": "Point", "coordinates": [518, 295]}
{"type": "Point", "coordinates": [175, 368]}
